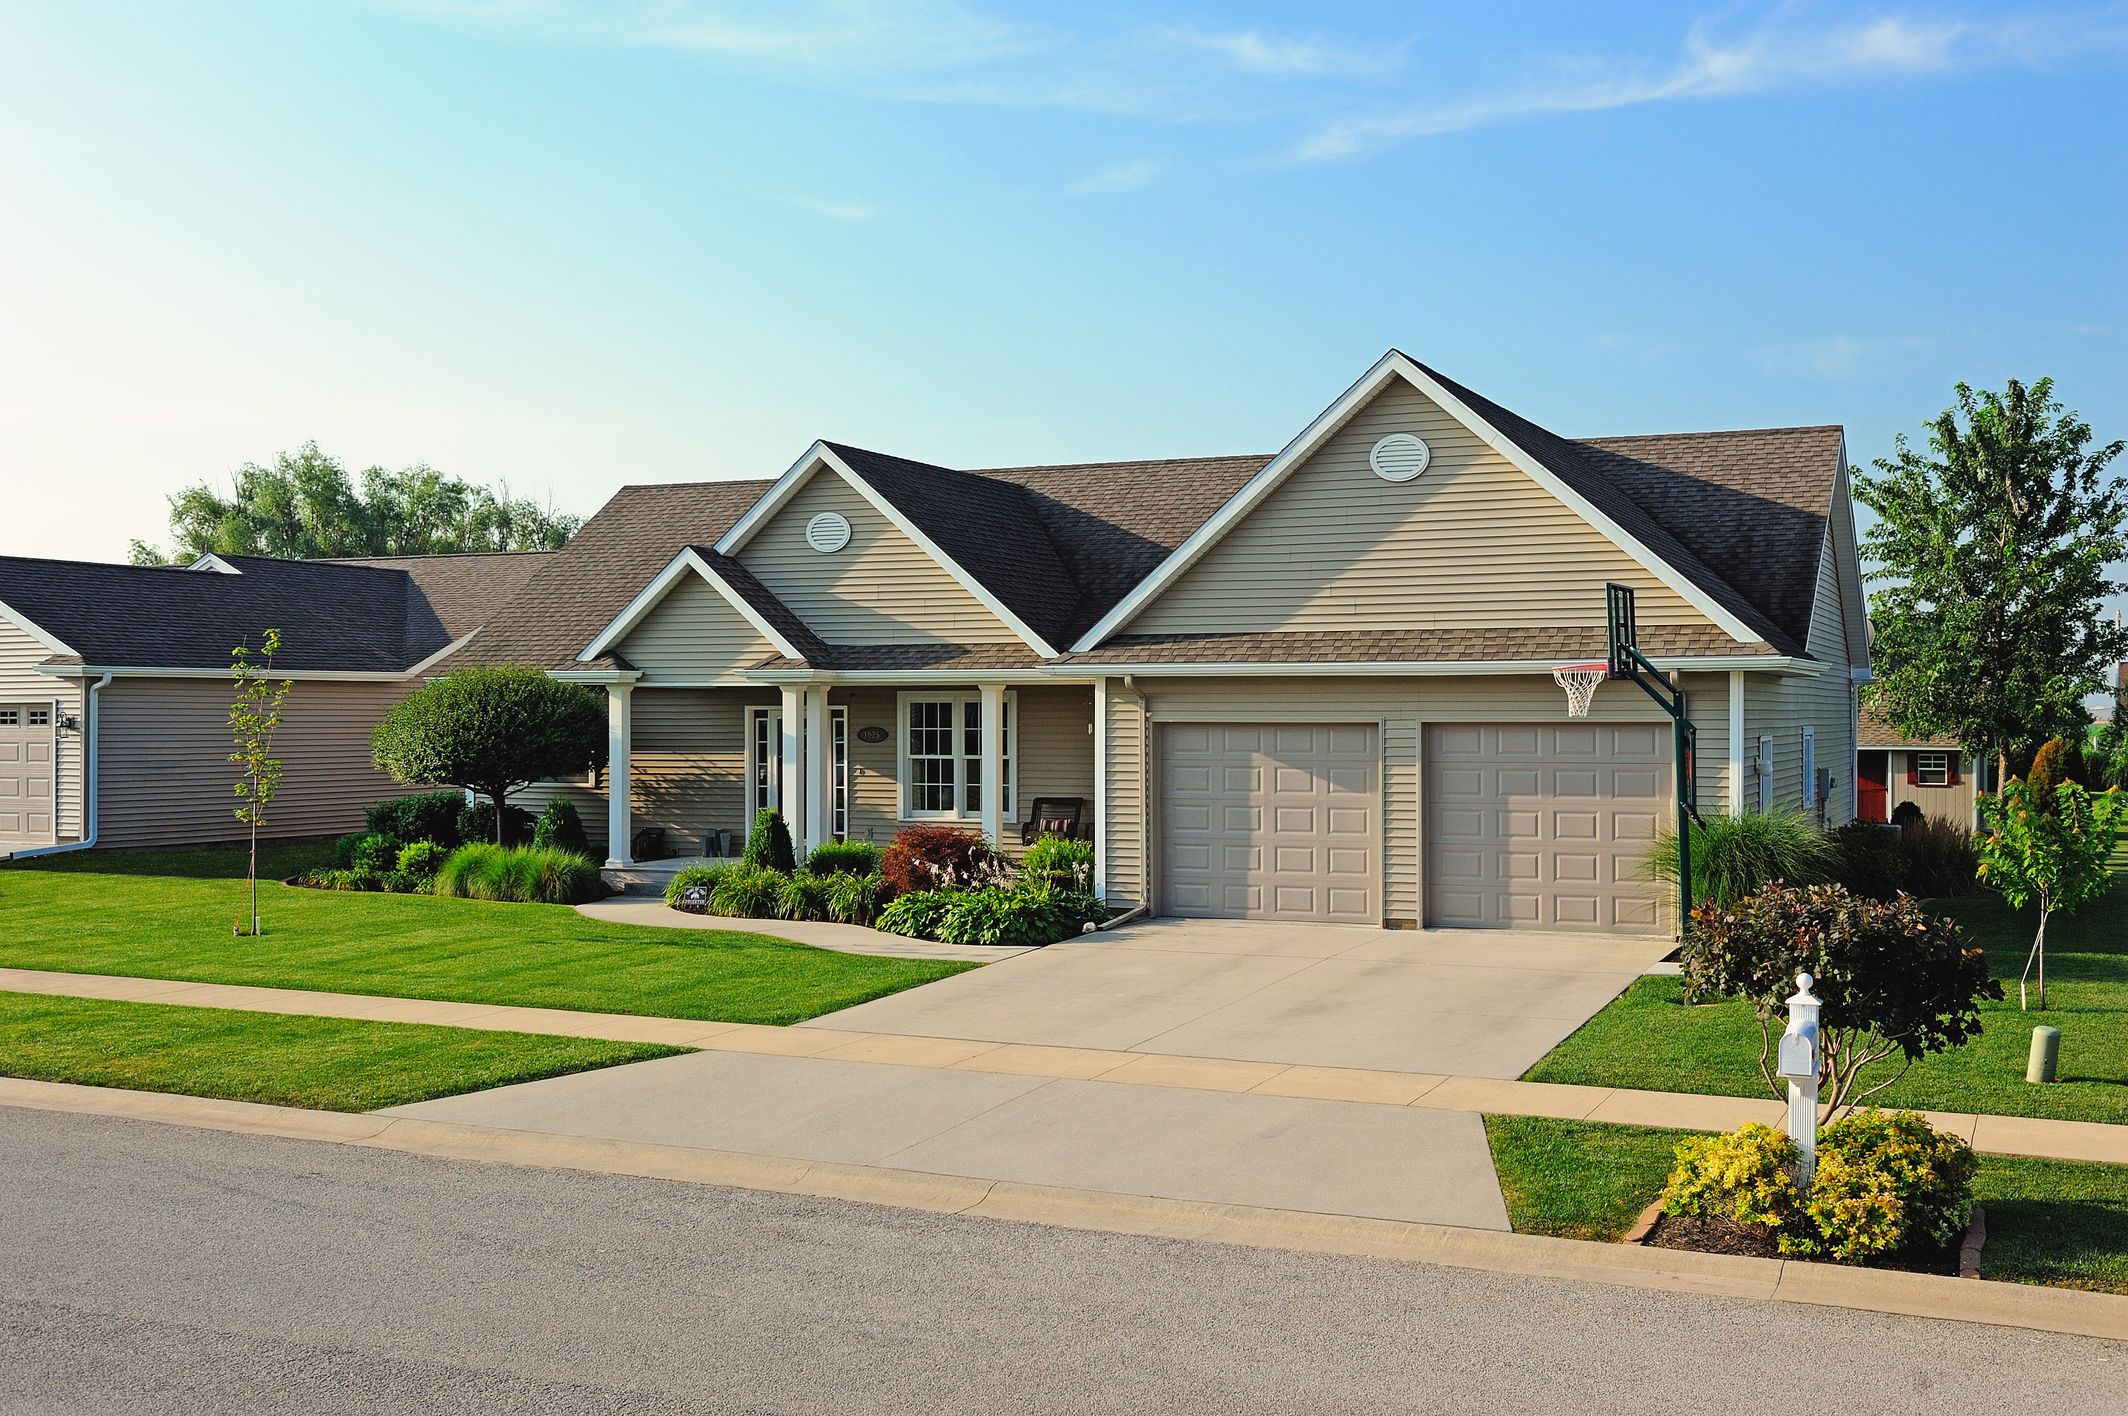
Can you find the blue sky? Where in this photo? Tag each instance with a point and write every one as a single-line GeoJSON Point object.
{"type": "Point", "coordinates": [573, 245]}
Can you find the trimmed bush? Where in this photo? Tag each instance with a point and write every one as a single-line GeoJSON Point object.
{"type": "Point", "coordinates": [2056, 762]}
{"type": "Point", "coordinates": [843, 858]}
{"type": "Point", "coordinates": [856, 899]}
{"type": "Point", "coordinates": [560, 827]}
{"type": "Point", "coordinates": [768, 845]}
{"type": "Point", "coordinates": [802, 895]}
{"type": "Point", "coordinates": [1059, 864]}
{"type": "Point", "coordinates": [420, 860]}
{"type": "Point", "coordinates": [492, 730]}
{"type": "Point", "coordinates": [519, 875]}
{"type": "Point", "coordinates": [916, 913]}
{"type": "Point", "coordinates": [425, 816]}
{"type": "Point", "coordinates": [1734, 857]}
{"type": "Point", "coordinates": [1868, 860]}
{"type": "Point", "coordinates": [1746, 1176]}
{"type": "Point", "coordinates": [940, 858]}
{"type": "Point", "coordinates": [746, 892]}
{"type": "Point", "coordinates": [476, 824]}
{"type": "Point", "coordinates": [1887, 1180]}
{"type": "Point", "coordinates": [370, 851]}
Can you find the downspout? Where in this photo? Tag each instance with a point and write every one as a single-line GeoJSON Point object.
{"type": "Point", "coordinates": [91, 720]}
{"type": "Point", "coordinates": [1145, 811]}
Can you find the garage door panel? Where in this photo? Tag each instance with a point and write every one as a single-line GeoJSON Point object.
{"type": "Point", "coordinates": [27, 802]}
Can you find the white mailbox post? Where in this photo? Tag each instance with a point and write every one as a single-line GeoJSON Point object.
{"type": "Point", "coordinates": [1799, 1068]}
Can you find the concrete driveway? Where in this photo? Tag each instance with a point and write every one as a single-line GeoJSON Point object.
{"type": "Point", "coordinates": [1450, 1002]}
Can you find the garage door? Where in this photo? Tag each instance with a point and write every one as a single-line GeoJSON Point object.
{"type": "Point", "coordinates": [1271, 821]}
{"type": "Point", "coordinates": [25, 774]}
{"type": "Point", "coordinates": [1544, 826]}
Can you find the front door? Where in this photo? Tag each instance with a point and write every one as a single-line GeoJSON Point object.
{"type": "Point", "coordinates": [1871, 799]}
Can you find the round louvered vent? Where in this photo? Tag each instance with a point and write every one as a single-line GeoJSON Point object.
{"type": "Point", "coordinates": [1399, 457]}
{"type": "Point", "coordinates": [829, 531]}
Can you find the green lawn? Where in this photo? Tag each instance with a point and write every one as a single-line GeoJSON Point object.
{"type": "Point", "coordinates": [168, 915]}
{"type": "Point", "coordinates": [331, 1064]}
{"type": "Point", "coordinates": [2049, 1221]}
{"type": "Point", "coordinates": [1647, 1039]}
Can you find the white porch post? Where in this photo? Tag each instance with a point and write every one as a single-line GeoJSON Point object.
{"type": "Point", "coordinates": [992, 712]}
{"type": "Point", "coordinates": [819, 763]}
{"type": "Point", "coordinates": [620, 815]}
{"type": "Point", "coordinates": [790, 792]}
{"type": "Point", "coordinates": [1736, 742]}
{"type": "Point", "coordinates": [1100, 788]}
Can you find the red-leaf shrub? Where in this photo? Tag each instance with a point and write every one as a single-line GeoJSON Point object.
{"type": "Point", "coordinates": [939, 858]}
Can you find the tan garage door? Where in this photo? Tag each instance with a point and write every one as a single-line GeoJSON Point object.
{"type": "Point", "coordinates": [1271, 821]}
{"type": "Point", "coordinates": [1544, 826]}
{"type": "Point", "coordinates": [25, 774]}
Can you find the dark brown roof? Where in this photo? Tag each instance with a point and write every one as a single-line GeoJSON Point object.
{"type": "Point", "coordinates": [1544, 644]}
{"type": "Point", "coordinates": [1876, 730]}
{"type": "Point", "coordinates": [903, 657]}
{"type": "Point", "coordinates": [450, 596]}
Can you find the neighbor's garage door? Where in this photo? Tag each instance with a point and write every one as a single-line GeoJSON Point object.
{"type": "Point", "coordinates": [1544, 826]}
{"type": "Point", "coordinates": [25, 774]}
{"type": "Point", "coordinates": [1271, 821]}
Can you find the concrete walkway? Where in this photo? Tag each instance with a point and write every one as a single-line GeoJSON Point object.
{"type": "Point", "coordinates": [651, 912]}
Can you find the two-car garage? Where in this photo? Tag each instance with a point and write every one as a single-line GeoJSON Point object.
{"type": "Point", "coordinates": [1537, 826]}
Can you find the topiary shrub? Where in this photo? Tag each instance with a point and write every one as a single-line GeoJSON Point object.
{"type": "Point", "coordinates": [424, 816]}
{"type": "Point", "coordinates": [856, 899]}
{"type": "Point", "coordinates": [746, 892]}
{"type": "Point", "coordinates": [916, 914]}
{"type": "Point", "coordinates": [519, 875]}
{"type": "Point", "coordinates": [1746, 1176]}
{"type": "Point", "coordinates": [802, 895]}
{"type": "Point", "coordinates": [1059, 864]}
{"type": "Point", "coordinates": [492, 731]}
{"type": "Point", "coordinates": [940, 858]}
{"type": "Point", "coordinates": [1734, 857]}
{"type": "Point", "coordinates": [843, 858]}
{"type": "Point", "coordinates": [476, 823]}
{"type": "Point", "coordinates": [1896, 982]}
{"type": "Point", "coordinates": [1887, 1180]}
{"type": "Point", "coordinates": [1868, 860]}
{"type": "Point", "coordinates": [768, 845]}
{"type": "Point", "coordinates": [420, 860]}
{"type": "Point", "coordinates": [2054, 764]}
{"type": "Point", "coordinates": [561, 828]}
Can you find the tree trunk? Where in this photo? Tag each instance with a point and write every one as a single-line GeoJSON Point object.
{"type": "Point", "coordinates": [496, 797]}
{"type": "Point", "coordinates": [254, 879]}
{"type": "Point", "coordinates": [2039, 956]}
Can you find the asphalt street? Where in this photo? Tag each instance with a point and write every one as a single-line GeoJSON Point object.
{"type": "Point", "coordinates": [154, 1268]}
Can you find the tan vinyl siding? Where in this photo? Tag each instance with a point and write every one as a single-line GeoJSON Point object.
{"type": "Point", "coordinates": [1472, 543]}
{"type": "Point", "coordinates": [20, 682]}
{"type": "Point", "coordinates": [1953, 803]}
{"type": "Point", "coordinates": [166, 779]}
{"type": "Point", "coordinates": [880, 589]}
{"type": "Point", "coordinates": [1781, 707]}
{"type": "Point", "coordinates": [1124, 835]}
{"type": "Point", "coordinates": [693, 634]}
{"type": "Point", "coordinates": [1828, 620]}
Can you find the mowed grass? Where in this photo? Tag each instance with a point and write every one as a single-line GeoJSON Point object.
{"type": "Point", "coordinates": [329, 1064]}
{"type": "Point", "coordinates": [169, 915]}
{"type": "Point", "coordinates": [2054, 1222]}
{"type": "Point", "coordinates": [1646, 1039]}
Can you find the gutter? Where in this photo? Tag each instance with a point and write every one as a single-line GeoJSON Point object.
{"type": "Point", "coordinates": [1428, 668]}
{"type": "Point", "coordinates": [91, 718]}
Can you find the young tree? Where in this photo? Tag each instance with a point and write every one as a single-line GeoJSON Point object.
{"type": "Point", "coordinates": [1993, 549]}
{"type": "Point", "coordinates": [254, 718]}
{"type": "Point", "coordinates": [2048, 853]}
{"type": "Point", "coordinates": [492, 731]}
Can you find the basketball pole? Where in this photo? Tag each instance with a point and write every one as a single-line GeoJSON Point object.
{"type": "Point", "coordinates": [1627, 662]}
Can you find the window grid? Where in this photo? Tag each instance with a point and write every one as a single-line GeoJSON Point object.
{"type": "Point", "coordinates": [932, 788]}
{"type": "Point", "coordinates": [1932, 769]}
{"type": "Point", "coordinates": [839, 730]}
{"type": "Point", "coordinates": [942, 760]}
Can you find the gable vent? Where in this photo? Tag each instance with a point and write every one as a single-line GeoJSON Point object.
{"type": "Point", "coordinates": [828, 532]}
{"type": "Point", "coordinates": [1399, 457]}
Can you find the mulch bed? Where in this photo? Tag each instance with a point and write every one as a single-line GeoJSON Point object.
{"type": "Point", "coordinates": [1726, 1236]}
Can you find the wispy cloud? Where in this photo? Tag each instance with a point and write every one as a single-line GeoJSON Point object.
{"type": "Point", "coordinates": [1310, 56]}
{"type": "Point", "coordinates": [1846, 357]}
{"type": "Point", "coordinates": [1124, 177]}
{"type": "Point", "coordinates": [839, 211]}
{"type": "Point", "coordinates": [1770, 58]}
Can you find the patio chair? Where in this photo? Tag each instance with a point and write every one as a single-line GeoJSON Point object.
{"type": "Point", "coordinates": [1054, 816]}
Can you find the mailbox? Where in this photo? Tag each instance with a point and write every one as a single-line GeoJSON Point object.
{"type": "Point", "coordinates": [1799, 1054]}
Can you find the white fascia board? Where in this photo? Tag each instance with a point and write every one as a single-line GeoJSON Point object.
{"type": "Point", "coordinates": [212, 562]}
{"type": "Point", "coordinates": [819, 455]}
{"type": "Point", "coordinates": [1434, 668]}
{"type": "Point", "coordinates": [444, 653]}
{"type": "Point", "coordinates": [688, 560]}
{"type": "Point", "coordinates": [919, 676]}
{"type": "Point", "coordinates": [1394, 364]}
{"type": "Point", "coordinates": [28, 626]}
{"type": "Point", "coordinates": [594, 675]}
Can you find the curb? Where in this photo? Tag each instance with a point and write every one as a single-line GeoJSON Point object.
{"type": "Point", "coordinates": [2100, 1315]}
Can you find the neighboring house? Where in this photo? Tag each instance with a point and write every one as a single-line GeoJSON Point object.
{"type": "Point", "coordinates": [115, 686]}
{"type": "Point", "coordinates": [1310, 686]}
{"type": "Point", "coordinates": [1934, 774]}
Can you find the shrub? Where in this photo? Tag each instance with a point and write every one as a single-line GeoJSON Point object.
{"type": "Point", "coordinates": [420, 860]}
{"type": "Point", "coordinates": [1895, 981]}
{"type": "Point", "coordinates": [1867, 859]}
{"type": "Point", "coordinates": [1747, 1176]}
{"type": "Point", "coordinates": [492, 731]}
{"type": "Point", "coordinates": [746, 892]}
{"type": "Point", "coordinates": [1016, 918]}
{"type": "Point", "coordinates": [692, 875]}
{"type": "Point", "coordinates": [370, 851]}
{"type": "Point", "coordinates": [916, 913]}
{"type": "Point", "coordinates": [768, 845]}
{"type": "Point", "coordinates": [1938, 858]}
{"type": "Point", "coordinates": [802, 895]}
{"type": "Point", "coordinates": [560, 827]}
{"type": "Point", "coordinates": [843, 858]}
{"type": "Point", "coordinates": [345, 879]}
{"type": "Point", "coordinates": [425, 816]}
{"type": "Point", "coordinates": [1888, 1180]}
{"type": "Point", "coordinates": [519, 875]}
{"type": "Point", "coordinates": [1059, 864]}
{"type": "Point", "coordinates": [856, 899]}
{"type": "Point", "coordinates": [1733, 857]}
{"type": "Point", "coordinates": [2052, 766]}
{"type": "Point", "coordinates": [2052, 859]}
{"type": "Point", "coordinates": [476, 823]}
{"type": "Point", "coordinates": [939, 858]}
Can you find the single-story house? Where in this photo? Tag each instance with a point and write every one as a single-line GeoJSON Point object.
{"type": "Point", "coordinates": [115, 686]}
{"type": "Point", "coordinates": [1935, 774]}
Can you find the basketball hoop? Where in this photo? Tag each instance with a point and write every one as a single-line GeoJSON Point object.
{"type": "Point", "coordinates": [1579, 681]}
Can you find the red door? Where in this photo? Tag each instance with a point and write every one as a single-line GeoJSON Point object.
{"type": "Point", "coordinates": [1870, 797]}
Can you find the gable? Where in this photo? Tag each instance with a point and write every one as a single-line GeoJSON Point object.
{"type": "Point", "coordinates": [1472, 543]}
{"type": "Point", "coordinates": [1828, 618]}
{"type": "Point", "coordinates": [881, 588]}
{"type": "Point", "coordinates": [693, 634]}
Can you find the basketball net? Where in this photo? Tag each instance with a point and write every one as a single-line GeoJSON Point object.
{"type": "Point", "coordinates": [1579, 681]}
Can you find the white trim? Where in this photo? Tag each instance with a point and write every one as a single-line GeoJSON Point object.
{"type": "Point", "coordinates": [1100, 832]}
{"type": "Point", "coordinates": [1395, 364]}
{"type": "Point", "coordinates": [213, 562]}
{"type": "Point", "coordinates": [1008, 812]}
{"type": "Point", "coordinates": [1434, 668]}
{"type": "Point", "coordinates": [661, 584]}
{"type": "Point", "coordinates": [819, 762]}
{"type": "Point", "coordinates": [1943, 752]}
{"type": "Point", "coordinates": [820, 455]}
{"type": "Point", "coordinates": [1736, 742]}
{"type": "Point", "coordinates": [620, 804]}
{"type": "Point", "coordinates": [28, 626]}
{"type": "Point", "coordinates": [755, 678]}
{"type": "Point", "coordinates": [444, 653]}
{"type": "Point", "coordinates": [764, 773]}
{"type": "Point", "coordinates": [599, 676]}
{"type": "Point", "coordinates": [790, 792]}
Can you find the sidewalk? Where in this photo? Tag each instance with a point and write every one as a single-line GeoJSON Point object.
{"type": "Point", "coordinates": [2001, 1135]}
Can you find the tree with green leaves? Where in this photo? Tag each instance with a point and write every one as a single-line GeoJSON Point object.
{"type": "Point", "coordinates": [254, 719]}
{"type": "Point", "coordinates": [307, 506]}
{"type": "Point", "coordinates": [492, 731]}
{"type": "Point", "coordinates": [1993, 548]}
{"type": "Point", "coordinates": [2048, 851]}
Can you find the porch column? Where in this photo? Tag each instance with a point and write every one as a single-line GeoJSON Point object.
{"type": "Point", "coordinates": [819, 764]}
{"type": "Point", "coordinates": [1100, 788]}
{"type": "Point", "coordinates": [1736, 742]}
{"type": "Point", "coordinates": [790, 792]}
{"type": "Point", "coordinates": [620, 814]}
{"type": "Point", "coordinates": [993, 744]}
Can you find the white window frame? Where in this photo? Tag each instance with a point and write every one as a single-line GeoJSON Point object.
{"type": "Point", "coordinates": [764, 792]}
{"type": "Point", "coordinates": [966, 708]}
{"type": "Point", "coordinates": [1942, 769]}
